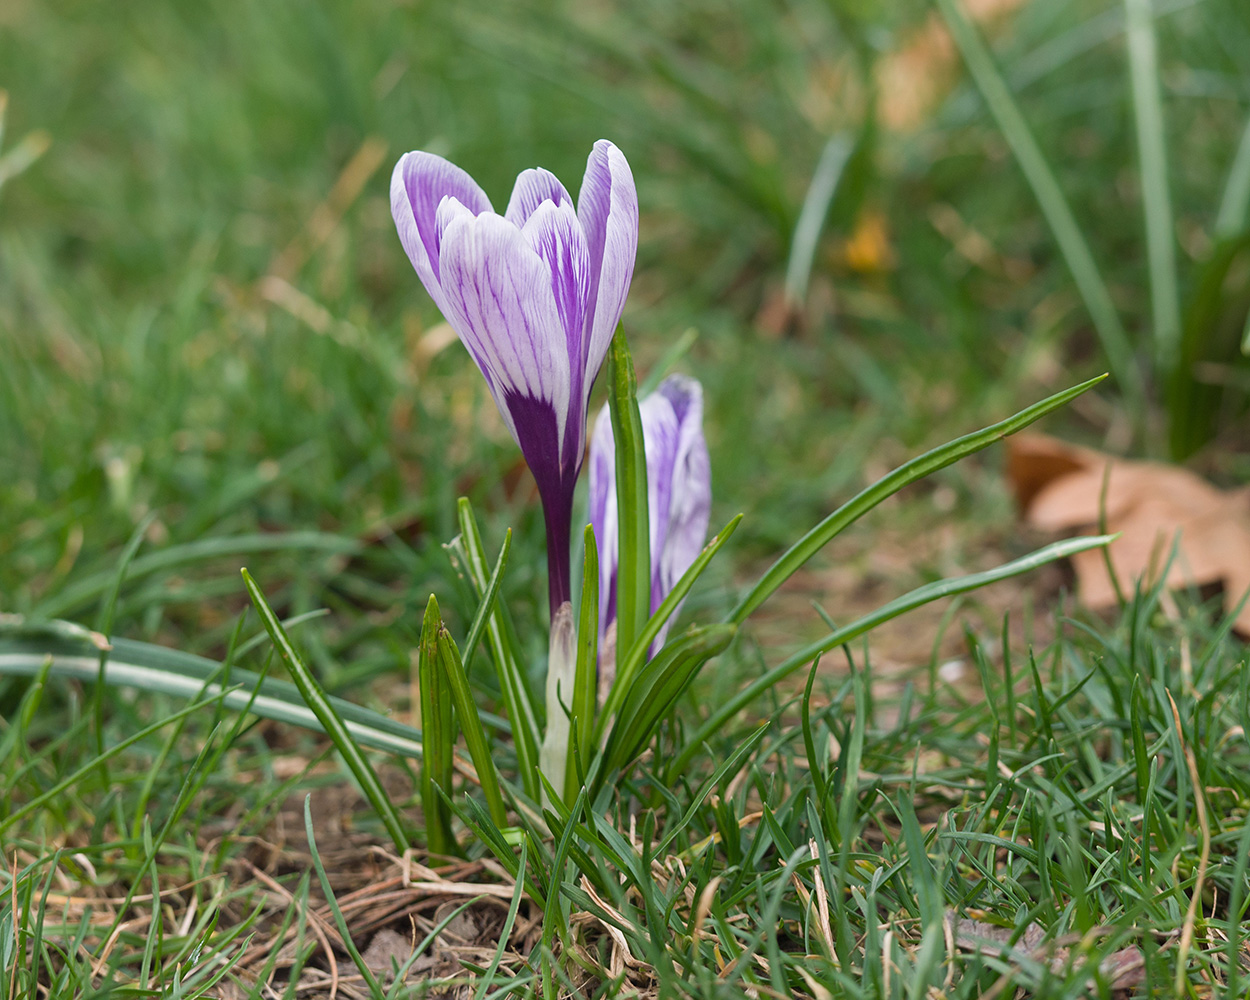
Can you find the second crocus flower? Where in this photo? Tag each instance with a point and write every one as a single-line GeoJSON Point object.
{"type": "Point", "coordinates": [679, 493]}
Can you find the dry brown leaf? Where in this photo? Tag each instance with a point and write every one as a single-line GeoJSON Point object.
{"type": "Point", "coordinates": [1062, 487]}
{"type": "Point", "coordinates": [1121, 970]}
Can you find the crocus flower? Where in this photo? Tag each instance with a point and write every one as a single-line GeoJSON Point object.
{"type": "Point", "coordinates": [679, 491]}
{"type": "Point", "coordinates": [534, 294]}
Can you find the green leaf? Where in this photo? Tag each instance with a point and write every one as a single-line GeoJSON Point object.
{"type": "Point", "coordinates": [334, 727]}
{"type": "Point", "coordinates": [887, 486]}
{"type": "Point", "coordinates": [633, 573]}
{"type": "Point", "coordinates": [332, 902]}
{"type": "Point", "coordinates": [72, 652]}
{"type": "Point", "coordinates": [657, 688]}
{"type": "Point", "coordinates": [487, 603]}
{"type": "Point", "coordinates": [1156, 197]}
{"type": "Point", "coordinates": [638, 653]}
{"type": "Point", "coordinates": [470, 723]}
{"type": "Point", "coordinates": [820, 191]}
{"type": "Point", "coordinates": [914, 599]}
{"type": "Point", "coordinates": [80, 594]}
{"type": "Point", "coordinates": [585, 677]}
{"type": "Point", "coordinates": [440, 737]}
{"type": "Point", "coordinates": [1213, 328]}
{"type": "Point", "coordinates": [512, 684]}
{"type": "Point", "coordinates": [1231, 218]}
{"type": "Point", "coordinates": [1054, 205]}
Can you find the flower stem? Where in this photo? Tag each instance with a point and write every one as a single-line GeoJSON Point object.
{"type": "Point", "coordinates": [558, 517]}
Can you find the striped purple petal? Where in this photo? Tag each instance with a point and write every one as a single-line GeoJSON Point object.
{"type": "Point", "coordinates": [532, 188]}
{"type": "Point", "coordinates": [679, 491]}
{"type": "Point", "coordinates": [607, 207]}
{"type": "Point", "coordinates": [419, 184]}
{"type": "Point", "coordinates": [535, 296]}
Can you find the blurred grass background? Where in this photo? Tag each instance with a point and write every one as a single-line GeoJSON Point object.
{"type": "Point", "coordinates": [206, 318]}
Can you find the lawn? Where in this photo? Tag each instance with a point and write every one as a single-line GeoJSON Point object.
{"type": "Point", "coordinates": [867, 231]}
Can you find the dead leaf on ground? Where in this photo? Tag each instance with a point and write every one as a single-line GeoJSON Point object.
{"type": "Point", "coordinates": [1062, 487]}
{"type": "Point", "coordinates": [1121, 970]}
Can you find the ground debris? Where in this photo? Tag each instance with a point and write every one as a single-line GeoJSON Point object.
{"type": "Point", "coordinates": [1121, 970]}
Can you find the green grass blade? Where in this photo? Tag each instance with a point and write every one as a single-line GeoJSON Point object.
{"type": "Point", "coordinates": [170, 671]}
{"type": "Point", "coordinates": [94, 763]}
{"type": "Point", "coordinates": [512, 684]}
{"type": "Point", "coordinates": [487, 604]}
{"type": "Point", "coordinates": [820, 191]}
{"type": "Point", "coordinates": [679, 349]}
{"type": "Point", "coordinates": [638, 653]}
{"type": "Point", "coordinates": [1054, 205]}
{"type": "Point", "coordinates": [887, 486]}
{"type": "Point", "coordinates": [1156, 196]}
{"type": "Point", "coordinates": [914, 599]}
{"type": "Point", "coordinates": [585, 677]}
{"type": "Point", "coordinates": [340, 921]}
{"type": "Point", "coordinates": [1235, 203]}
{"type": "Point", "coordinates": [75, 597]}
{"type": "Point", "coordinates": [657, 688]}
{"type": "Point", "coordinates": [505, 933]}
{"type": "Point", "coordinates": [334, 727]}
{"type": "Point", "coordinates": [436, 727]}
{"type": "Point", "coordinates": [633, 574]}
{"type": "Point", "coordinates": [470, 724]}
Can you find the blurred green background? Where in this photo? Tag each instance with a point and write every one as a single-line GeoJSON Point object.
{"type": "Point", "coordinates": [206, 318]}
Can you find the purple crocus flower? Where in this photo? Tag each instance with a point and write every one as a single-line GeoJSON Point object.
{"type": "Point", "coordinates": [679, 491]}
{"type": "Point", "coordinates": [534, 294]}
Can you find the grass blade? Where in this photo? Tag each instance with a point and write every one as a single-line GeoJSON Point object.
{"type": "Point", "coordinates": [470, 722]}
{"type": "Point", "coordinates": [633, 574]}
{"type": "Point", "coordinates": [89, 588]}
{"type": "Point", "coordinates": [339, 734]}
{"type": "Point", "coordinates": [1235, 204]}
{"type": "Point", "coordinates": [1156, 197]}
{"type": "Point", "coordinates": [638, 653]}
{"type": "Point", "coordinates": [1050, 198]}
{"type": "Point", "coordinates": [913, 599]}
{"type": "Point", "coordinates": [585, 687]}
{"type": "Point", "coordinates": [436, 726]}
{"type": "Point", "coordinates": [332, 902]}
{"type": "Point", "coordinates": [658, 686]}
{"type": "Point", "coordinates": [171, 671]}
{"type": "Point", "coordinates": [512, 684]}
{"type": "Point", "coordinates": [487, 604]}
{"type": "Point", "coordinates": [820, 192]}
{"type": "Point", "coordinates": [887, 486]}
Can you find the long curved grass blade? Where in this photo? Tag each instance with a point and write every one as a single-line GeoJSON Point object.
{"type": "Point", "coordinates": [638, 653]}
{"type": "Point", "coordinates": [1156, 197]}
{"type": "Point", "coordinates": [336, 911]}
{"type": "Point", "coordinates": [70, 653]}
{"type": "Point", "coordinates": [913, 599]}
{"type": "Point", "coordinates": [1054, 205]}
{"type": "Point", "coordinates": [505, 932]}
{"type": "Point", "coordinates": [633, 573]}
{"type": "Point", "coordinates": [74, 597]}
{"type": "Point", "coordinates": [334, 727]}
{"type": "Point", "coordinates": [820, 191]}
{"type": "Point", "coordinates": [887, 486]}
